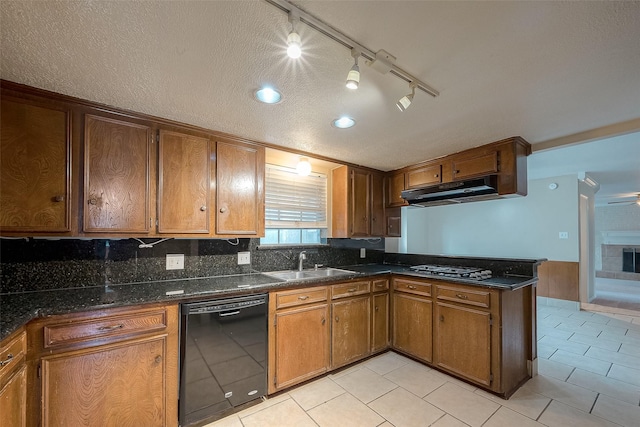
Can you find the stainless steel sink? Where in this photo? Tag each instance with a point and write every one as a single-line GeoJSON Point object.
{"type": "Point", "coordinates": [288, 275]}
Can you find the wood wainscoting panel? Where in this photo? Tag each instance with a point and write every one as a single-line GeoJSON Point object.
{"type": "Point", "coordinates": [559, 279]}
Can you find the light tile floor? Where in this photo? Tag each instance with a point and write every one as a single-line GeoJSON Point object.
{"type": "Point", "coordinates": [589, 375]}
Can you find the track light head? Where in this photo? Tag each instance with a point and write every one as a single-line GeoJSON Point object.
{"type": "Point", "coordinates": [293, 45]}
{"type": "Point", "coordinates": [353, 78]}
{"type": "Point", "coordinates": [406, 100]}
{"type": "Point", "coordinates": [293, 40]}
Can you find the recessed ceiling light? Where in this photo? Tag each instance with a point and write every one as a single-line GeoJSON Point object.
{"type": "Point", "coordinates": [343, 122]}
{"type": "Point", "coordinates": [268, 95]}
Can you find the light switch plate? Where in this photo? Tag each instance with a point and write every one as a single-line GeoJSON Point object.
{"type": "Point", "coordinates": [244, 258]}
{"type": "Point", "coordinates": [175, 261]}
{"type": "Point", "coordinates": [363, 253]}
{"type": "Point", "coordinates": [563, 235]}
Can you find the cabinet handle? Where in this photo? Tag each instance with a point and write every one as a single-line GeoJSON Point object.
{"type": "Point", "coordinates": [456, 171]}
{"type": "Point", "coordinates": [441, 318]}
{"type": "Point", "coordinates": [203, 208]}
{"type": "Point", "coordinates": [376, 308]}
{"type": "Point", "coordinates": [158, 359]}
{"type": "Point", "coordinates": [8, 360]}
{"type": "Point", "coordinates": [351, 290]}
{"type": "Point", "coordinates": [59, 199]}
{"type": "Point", "coordinates": [379, 285]}
{"type": "Point", "coordinates": [337, 319]}
{"type": "Point", "coordinates": [303, 297]}
{"type": "Point", "coordinates": [411, 287]}
{"type": "Point", "coordinates": [323, 320]}
{"type": "Point", "coordinates": [93, 202]}
{"type": "Point", "coordinates": [373, 218]}
{"type": "Point", "coordinates": [461, 296]}
{"type": "Point", "coordinates": [111, 328]}
{"type": "Point", "coordinates": [436, 175]}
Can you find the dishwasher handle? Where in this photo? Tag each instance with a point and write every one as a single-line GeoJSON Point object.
{"type": "Point", "coordinates": [229, 313]}
{"type": "Point", "coordinates": [226, 307]}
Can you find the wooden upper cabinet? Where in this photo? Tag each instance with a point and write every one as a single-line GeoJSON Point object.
{"type": "Point", "coordinates": [239, 181]}
{"type": "Point", "coordinates": [424, 175]}
{"type": "Point", "coordinates": [394, 186]}
{"type": "Point", "coordinates": [360, 209]}
{"type": "Point", "coordinates": [378, 224]}
{"type": "Point", "coordinates": [479, 165]}
{"type": "Point", "coordinates": [183, 183]}
{"type": "Point", "coordinates": [35, 168]}
{"type": "Point", "coordinates": [117, 172]}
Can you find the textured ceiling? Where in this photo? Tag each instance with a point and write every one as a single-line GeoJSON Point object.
{"type": "Point", "coordinates": [542, 70]}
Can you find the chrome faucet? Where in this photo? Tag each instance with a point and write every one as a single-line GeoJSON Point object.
{"type": "Point", "coordinates": [301, 258]}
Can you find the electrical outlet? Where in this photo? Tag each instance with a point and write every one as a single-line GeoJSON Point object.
{"type": "Point", "coordinates": [563, 235]}
{"type": "Point", "coordinates": [175, 261]}
{"type": "Point", "coordinates": [363, 253]}
{"type": "Point", "coordinates": [244, 258]}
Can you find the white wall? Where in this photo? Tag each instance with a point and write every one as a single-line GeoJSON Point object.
{"type": "Point", "coordinates": [520, 227]}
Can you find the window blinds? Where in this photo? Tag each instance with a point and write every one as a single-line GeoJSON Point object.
{"type": "Point", "coordinates": [294, 201]}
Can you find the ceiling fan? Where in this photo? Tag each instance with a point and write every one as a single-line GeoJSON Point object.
{"type": "Point", "coordinates": [628, 202]}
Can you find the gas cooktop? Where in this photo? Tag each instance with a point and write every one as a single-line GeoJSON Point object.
{"type": "Point", "coordinates": [448, 271]}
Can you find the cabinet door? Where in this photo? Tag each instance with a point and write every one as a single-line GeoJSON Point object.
{"type": "Point", "coordinates": [301, 344]}
{"type": "Point", "coordinates": [34, 168]}
{"type": "Point", "coordinates": [475, 166]}
{"type": "Point", "coordinates": [380, 322]}
{"type": "Point", "coordinates": [360, 203]}
{"type": "Point", "coordinates": [117, 172]}
{"type": "Point", "coordinates": [412, 325]}
{"type": "Point", "coordinates": [350, 336]}
{"type": "Point", "coordinates": [378, 225]}
{"type": "Point", "coordinates": [120, 385]}
{"type": "Point", "coordinates": [13, 400]}
{"type": "Point", "coordinates": [394, 187]}
{"type": "Point", "coordinates": [463, 342]}
{"type": "Point", "coordinates": [239, 189]}
{"type": "Point", "coordinates": [424, 175]}
{"type": "Point", "coordinates": [183, 187]}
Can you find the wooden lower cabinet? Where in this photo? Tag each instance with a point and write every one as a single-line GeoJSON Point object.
{"type": "Point", "coordinates": [412, 320]}
{"type": "Point", "coordinates": [111, 368]}
{"type": "Point", "coordinates": [13, 380]}
{"type": "Point", "coordinates": [299, 331]}
{"type": "Point", "coordinates": [351, 333]}
{"type": "Point", "coordinates": [464, 342]}
{"type": "Point", "coordinates": [380, 315]}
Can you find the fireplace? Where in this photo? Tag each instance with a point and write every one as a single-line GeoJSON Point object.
{"type": "Point", "coordinates": [631, 260]}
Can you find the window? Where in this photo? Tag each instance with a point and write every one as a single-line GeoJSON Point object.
{"type": "Point", "coordinates": [295, 207]}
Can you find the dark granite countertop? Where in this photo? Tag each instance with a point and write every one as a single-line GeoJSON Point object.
{"type": "Point", "coordinates": [19, 308]}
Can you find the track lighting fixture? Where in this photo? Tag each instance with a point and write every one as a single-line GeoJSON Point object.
{"type": "Point", "coordinates": [353, 78]}
{"type": "Point", "coordinates": [405, 101]}
{"type": "Point", "coordinates": [293, 40]}
{"type": "Point", "coordinates": [303, 167]}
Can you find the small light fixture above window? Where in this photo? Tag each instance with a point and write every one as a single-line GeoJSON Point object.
{"type": "Point", "coordinates": [343, 122]}
{"type": "Point", "coordinates": [303, 167]}
{"type": "Point", "coordinates": [268, 95]}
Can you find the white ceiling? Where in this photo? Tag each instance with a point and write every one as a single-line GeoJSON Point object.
{"type": "Point", "coordinates": [542, 70]}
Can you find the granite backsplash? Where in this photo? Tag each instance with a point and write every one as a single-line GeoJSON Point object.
{"type": "Point", "coordinates": [41, 264]}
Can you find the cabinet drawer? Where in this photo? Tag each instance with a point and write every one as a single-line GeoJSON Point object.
{"type": "Point", "coordinates": [300, 297]}
{"type": "Point", "coordinates": [345, 290]}
{"type": "Point", "coordinates": [412, 287]}
{"type": "Point", "coordinates": [105, 327]}
{"type": "Point", "coordinates": [463, 296]}
{"type": "Point", "coordinates": [11, 353]}
{"type": "Point", "coordinates": [380, 285]}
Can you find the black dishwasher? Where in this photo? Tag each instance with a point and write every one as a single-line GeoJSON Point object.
{"type": "Point", "coordinates": [223, 356]}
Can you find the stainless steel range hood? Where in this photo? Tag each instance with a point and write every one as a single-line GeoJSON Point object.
{"type": "Point", "coordinates": [454, 192]}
